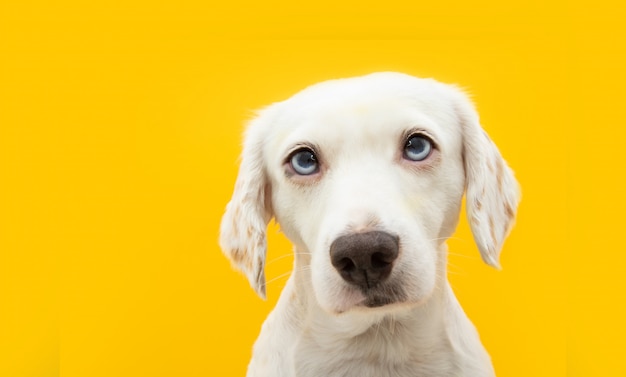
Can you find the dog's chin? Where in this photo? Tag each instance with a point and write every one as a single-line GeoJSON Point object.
{"type": "Point", "coordinates": [378, 301]}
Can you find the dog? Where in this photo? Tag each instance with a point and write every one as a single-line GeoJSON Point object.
{"type": "Point", "coordinates": [366, 176]}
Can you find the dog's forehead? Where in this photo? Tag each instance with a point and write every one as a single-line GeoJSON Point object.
{"type": "Point", "coordinates": [360, 94]}
{"type": "Point", "coordinates": [374, 106]}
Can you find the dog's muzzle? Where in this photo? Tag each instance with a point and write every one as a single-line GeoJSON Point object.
{"type": "Point", "coordinates": [364, 259]}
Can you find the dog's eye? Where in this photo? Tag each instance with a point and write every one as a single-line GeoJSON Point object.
{"type": "Point", "coordinates": [417, 148]}
{"type": "Point", "coordinates": [304, 162]}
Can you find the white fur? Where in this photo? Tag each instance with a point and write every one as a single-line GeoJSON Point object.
{"type": "Point", "coordinates": [320, 326]}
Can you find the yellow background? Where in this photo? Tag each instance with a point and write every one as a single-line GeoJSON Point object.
{"type": "Point", "coordinates": [120, 128]}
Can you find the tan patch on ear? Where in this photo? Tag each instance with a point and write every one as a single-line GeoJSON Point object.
{"type": "Point", "coordinates": [248, 264]}
{"type": "Point", "coordinates": [478, 204]}
{"type": "Point", "coordinates": [492, 231]}
{"type": "Point", "coordinates": [500, 174]}
{"type": "Point", "coordinates": [510, 213]}
{"type": "Point", "coordinates": [237, 256]}
{"type": "Point", "coordinates": [234, 223]}
{"type": "Point", "coordinates": [490, 166]}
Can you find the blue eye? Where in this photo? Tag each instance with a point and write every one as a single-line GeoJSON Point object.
{"type": "Point", "coordinates": [304, 162]}
{"type": "Point", "coordinates": [417, 148]}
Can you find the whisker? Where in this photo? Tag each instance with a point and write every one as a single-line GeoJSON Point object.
{"type": "Point", "coordinates": [460, 239]}
{"type": "Point", "coordinates": [450, 238]}
{"type": "Point", "coordinates": [284, 256]}
{"type": "Point", "coordinates": [283, 275]}
{"type": "Point", "coordinates": [457, 272]}
{"type": "Point", "coordinates": [463, 255]}
{"type": "Point", "coordinates": [463, 274]}
{"type": "Point", "coordinates": [288, 273]}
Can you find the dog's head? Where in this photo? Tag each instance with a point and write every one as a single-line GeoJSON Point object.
{"type": "Point", "coordinates": [366, 177]}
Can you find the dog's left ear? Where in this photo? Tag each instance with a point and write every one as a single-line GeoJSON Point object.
{"type": "Point", "coordinates": [492, 193]}
{"type": "Point", "coordinates": [243, 229]}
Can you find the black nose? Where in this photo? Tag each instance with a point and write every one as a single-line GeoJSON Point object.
{"type": "Point", "coordinates": [364, 259]}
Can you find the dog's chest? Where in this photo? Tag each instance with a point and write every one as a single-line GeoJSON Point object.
{"type": "Point", "coordinates": [363, 368]}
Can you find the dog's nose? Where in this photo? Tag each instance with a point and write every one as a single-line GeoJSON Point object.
{"type": "Point", "coordinates": [364, 259]}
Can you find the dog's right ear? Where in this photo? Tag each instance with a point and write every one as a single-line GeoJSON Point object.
{"type": "Point", "coordinates": [243, 229]}
{"type": "Point", "coordinates": [492, 192]}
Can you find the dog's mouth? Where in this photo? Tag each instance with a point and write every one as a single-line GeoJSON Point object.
{"type": "Point", "coordinates": [381, 296]}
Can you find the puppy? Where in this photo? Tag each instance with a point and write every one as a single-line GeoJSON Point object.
{"type": "Point", "coordinates": [366, 177]}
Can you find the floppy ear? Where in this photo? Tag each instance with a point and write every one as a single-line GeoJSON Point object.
{"type": "Point", "coordinates": [492, 193]}
{"type": "Point", "coordinates": [243, 229]}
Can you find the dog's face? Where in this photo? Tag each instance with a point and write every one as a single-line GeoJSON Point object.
{"type": "Point", "coordinates": [350, 163]}
{"type": "Point", "coordinates": [366, 178]}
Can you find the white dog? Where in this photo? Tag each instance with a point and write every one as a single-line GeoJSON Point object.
{"type": "Point", "coordinates": [366, 176]}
